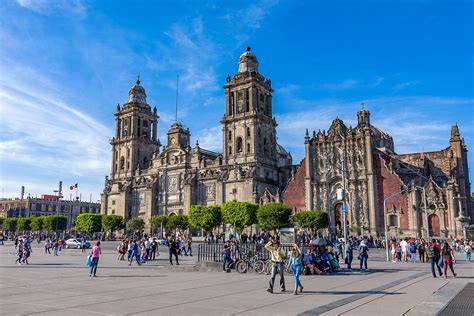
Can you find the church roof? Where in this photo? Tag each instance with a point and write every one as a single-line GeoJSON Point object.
{"type": "Point", "coordinates": [137, 93]}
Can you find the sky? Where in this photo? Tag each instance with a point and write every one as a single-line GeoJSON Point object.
{"type": "Point", "coordinates": [64, 66]}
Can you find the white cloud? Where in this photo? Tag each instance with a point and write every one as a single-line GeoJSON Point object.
{"type": "Point", "coordinates": [406, 84]}
{"type": "Point", "coordinates": [210, 138]}
{"type": "Point", "coordinates": [55, 7]}
{"type": "Point", "coordinates": [343, 85]}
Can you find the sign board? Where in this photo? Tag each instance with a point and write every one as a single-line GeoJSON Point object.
{"type": "Point", "coordinates": [344, 208]}
{"type": "Point", "coordinates": [287, 236]}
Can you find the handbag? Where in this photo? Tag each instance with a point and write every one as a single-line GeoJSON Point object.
{"type": "Point", "coordinates": [88, 261]}
{"type": "Point", "coordinates": [440, 262]}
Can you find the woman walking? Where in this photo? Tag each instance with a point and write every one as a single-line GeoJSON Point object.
{"type": "Point", "coordinates": [296, 265]}
{"type": "Point", "coordinates": [96, 252]}
{"type": "Point", "coordinates": [447, 254]}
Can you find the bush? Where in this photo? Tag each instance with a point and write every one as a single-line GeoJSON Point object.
{"type": "Point", "coordinates": [273, 216]}
{"type": "Point", "coordinates": [112, 222]}
{"type": "Point", "coordinates": [239, 214]}
{"type": "Point", "coordinates": [312, 220]}
{"type": "Point", "coordinates": [89, 223]}
{"type": "Point", "coordinates": [205, 217]}
{"type": "Point", "coordinates": [54, 222]}
{"type": "Point", "coordinates": [37, 223]}
{"type": "Point", "coordinates": [10, 224]}
{"type": "Point", "coordinates": [24, 223]}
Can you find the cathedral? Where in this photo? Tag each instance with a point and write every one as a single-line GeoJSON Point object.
{"type": "Point", "coordinates": [150, 179]}
{"type": "Point", "coordinates": [420, 190]}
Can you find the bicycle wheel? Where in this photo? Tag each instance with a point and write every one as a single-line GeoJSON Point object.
{"type": "Point", "coordinates": [259, 266]}
{"type": "Point", "coordinates": [268, 267]}
{"type": "Point", "coordinates": [241, 266]}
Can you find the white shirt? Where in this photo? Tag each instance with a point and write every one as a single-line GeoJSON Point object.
{"type": "Point", "coordinates": [404, 245]}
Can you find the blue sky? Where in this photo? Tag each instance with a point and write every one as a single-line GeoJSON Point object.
{"type": "Point", "coordinates": [64, 66]}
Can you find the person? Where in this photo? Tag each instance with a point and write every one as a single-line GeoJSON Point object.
{"type": "Point", "coordinates": [226, 258]}
{"type": "Point", "coordinates": [148, 249]}
{"type": "Point", "coordinates": [120, 251]}
{"type": "Point", "coordinates": [173, 250]}
{"type": "Point", "coordinates": [421, 251]}
{"type": "Point", "coordinates": [95, 254]}
{"type": "Point", "coordinates": [412, 250]}
{"type": "Point", "coordinates": [404, 246]}
{"type": "Point", "coordinates": [190, 243]}
{"type": "Point", "coordinates": [2, 238]}
{"type": "Point", "coordinates": [468, 251]}
{"type": "Point", "coordinates": [434, 254]}
{"type": "Point", "coordinates": [19, 252]}
{"type": "Point", "coordinates": [448, 258]}
{"type": "Point", "coordinates": [295, 264]}
{"type": "Point", "coordinates": [349, 255]}
{"type": "Point", "coordinates": [83, 245]}
{"type": "Point", "coordinates": [47, 246]}
{"type": "Point", "coordinates": [134, 253]}
{"type": "Point", "coordinates": [129, 250]}
{"type": "Point", "coordinates": [363, 255]}
{"type": "Point", "coordinates": [143, 252]}
{"type": "Point", "coordinates": [154, 249]}
{"type": "Point", "coordinates": [277, 256]}
{"type": "Point", "coordinates": [26, 251]}
{"type": "Point", "coordinates": [309, 263]}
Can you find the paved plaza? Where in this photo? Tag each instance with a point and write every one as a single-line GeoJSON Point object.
{"type": "Point", "coordinates": [61, 286]}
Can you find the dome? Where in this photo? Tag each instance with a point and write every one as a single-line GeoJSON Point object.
{"type": "Point", "coordinates": [280, 150]}
{"type": "Point", "coordinates": [137, 93]}
{"type": "Point", "coordinates": [248, 62]}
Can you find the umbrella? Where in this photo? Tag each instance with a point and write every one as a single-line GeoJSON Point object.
{"type": "Point", "coordinates": [329, 243]}
{"type": "Point", "coordinates": [320, 242]}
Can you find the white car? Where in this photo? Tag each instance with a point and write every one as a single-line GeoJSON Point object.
{"type": "Point", "coordinates": [76, 243]}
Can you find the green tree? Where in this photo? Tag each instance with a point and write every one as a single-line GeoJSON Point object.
{"type": "Point", "coordinates": [312, 220]}
{"type": "Point", "coordinates": [273, 216]}
{"type": "Point", "coordinates": [89, 223]}
{"type": "Point", "coordinates": [2, 219]}
{"type": "Point", "coordinates": [10, 224]}
{"type": "Point", "coordinates": [37, 223]}
{"type": "Point", "coordinates": [24, 223]}
{"type": "Point", "coordinates": [158, 221]}
{"type": "Point", "coordinates": [239, 214]}
{"type": "Point", "coordinates": [54, 222]}
{"type": "Point", "coordinates": [205, 217]}
{"type": "Point", "coordinates": [112, 222]}
{"type": "Point", "coordinates": [179, 222]}
{"type": "Point", "coordinates": [136, 223]}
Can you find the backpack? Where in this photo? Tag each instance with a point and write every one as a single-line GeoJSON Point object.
{"type": "Point", "coordinates": [431, 251]}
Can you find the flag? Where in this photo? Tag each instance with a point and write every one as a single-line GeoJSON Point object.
{"type": "Point", "coordinates": [72, 187]}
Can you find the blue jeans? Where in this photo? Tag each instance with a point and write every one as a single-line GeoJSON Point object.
{"type": "Point", "coordinates": [363, 261]}
{"type": "Point", "coordinates": [136, 256]}
{"type": "Point", "coordinates": [94, 264]}
{"type": "Point", "coordinates": [225, 259]}
{"type": "Point", "coordinates": [468, 256]}
{"type": "Point", "coordinates": [297, 272]}
{"type": "Point", "coordinates": [413, 257]}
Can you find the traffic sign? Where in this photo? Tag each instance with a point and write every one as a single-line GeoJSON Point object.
{"type": "Point", "coordinates": [344, 208]}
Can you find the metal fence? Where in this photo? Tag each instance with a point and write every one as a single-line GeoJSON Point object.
{"type": "Point", "coordinates": [213, 252]}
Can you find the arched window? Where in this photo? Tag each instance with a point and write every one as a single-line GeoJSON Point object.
{"type": "Point", "coordinates": [393, 220]}
{"type": "Point", "coordinates": [230, 135]}
{"type": "Point", "coordinates": [248, 148]}
{"type": "Point", "coordinates": [230, 150]}
{"type": "Point", "coordinates": [122, 163]}
{"type": "Point", "coordinates": [248, 131]}
{"type": "Point", "coordinates": [239, 144]}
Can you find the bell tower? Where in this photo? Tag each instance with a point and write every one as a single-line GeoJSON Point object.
{"type": "Point", "coordinates": [135, 138]}
{"type": "Point", "coordinates": [248, 128]}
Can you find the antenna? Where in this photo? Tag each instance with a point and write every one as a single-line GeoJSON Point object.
{"type": "Point", "coordinates": [176, 110]}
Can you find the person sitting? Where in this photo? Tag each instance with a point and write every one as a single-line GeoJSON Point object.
{"type": "Point", "coordinates": [309, 263]}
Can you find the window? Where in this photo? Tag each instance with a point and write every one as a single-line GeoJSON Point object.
{"type": "Point", "coordinates": [239, 144]}
{"type": "Point", "coordinates": [248, 131]}
{"type": "Point", "coordinates": [113, 202]}
{"type": "Point", "coordinates": [145, 123]}
{"type": "Point", "coordinates": [122, 163]}
{"type": "Point", "coordinates": [230, 135]}
{"type": "Point", "coordinates": [230, 150]}
{"type": "Point", "coordinates": [393, 220]}
{"type": "Point", "coordinates": [248, 148]}
{"type": "Point", "coordinates": [145, 161]}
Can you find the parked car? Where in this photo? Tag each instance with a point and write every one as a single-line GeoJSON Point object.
{"type": "Point", "coordinates": [76, 243]}
{"type": "Point", "coordinates": [161, 241]}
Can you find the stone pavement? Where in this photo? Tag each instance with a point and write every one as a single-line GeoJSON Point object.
{"type": "Point", "coordinates": [61, 286]}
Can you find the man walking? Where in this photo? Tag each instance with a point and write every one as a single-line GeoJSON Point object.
{"type": "Point", "coordinates": [277, 255]}
{"type": "Point", "coordinates": [434, 254]}
{"type": "Point", "coordinates": [173, 245]}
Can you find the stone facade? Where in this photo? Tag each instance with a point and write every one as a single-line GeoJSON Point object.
{"type": "Point", "coordinates": [147, 180]}
{"type": "Point", "coordinates": [374, 172]}
{"type": "Point", "coordinates": [46, 205]}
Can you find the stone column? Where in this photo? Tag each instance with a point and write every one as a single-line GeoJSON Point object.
{"type": "Point", "coordinates": [371, 194]}
{"type": "Point", "coordinates": [451, 208]}
{"type": "Point", "coordinates": [309, 169]}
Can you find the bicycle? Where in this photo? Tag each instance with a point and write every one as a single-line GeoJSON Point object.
{"type": "Point", "coordinates": [244, 265]}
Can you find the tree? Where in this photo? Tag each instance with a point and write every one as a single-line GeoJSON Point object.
{"type": "Point", "coordinates": [136, 223]}
{"type": "Point", "coordinates": [312, 220]}
{"type": "Point", "coordinates": [273, 216]}
{"type": "Point", "coordinates": [239, 214]}
{"type": "Point", "coordinates": [112, 222]}
{"type": "Point", "coordinates": [54, 222]}
{"type": "Point", "coordinates": [24, 223]}
{"type": "Point", "coordinates": [179, 222]}
{"type": "Point", "coordinates": [89, 223]}
{"type": "Point", "coordinates": [157, 221]}
{"type": "Point", "coordinates": [2, 219]}
{"type": "Point", "coordinates": [37, 223]}
{"type": "Point", "coordinates": [205, 217]}
{"type": "Point", "coordinates": [9, 224]}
